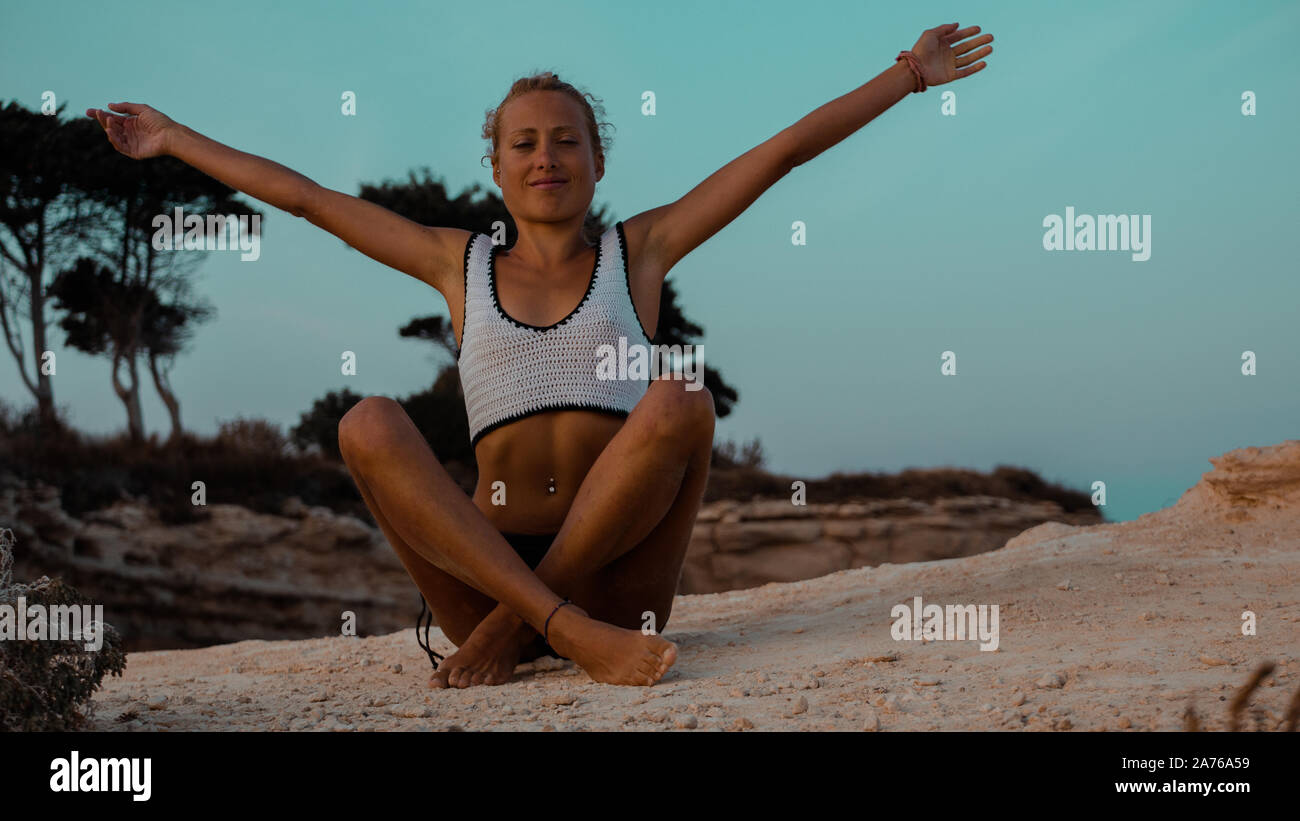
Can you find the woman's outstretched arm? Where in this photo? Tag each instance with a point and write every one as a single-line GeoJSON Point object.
{"type": "Point", "coordinates": [426, 253]}
{"type": "Point", "coordinates": [672, 231]}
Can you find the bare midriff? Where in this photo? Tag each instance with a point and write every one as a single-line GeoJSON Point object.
{"type": "Point", "coordinates": [527, 455]}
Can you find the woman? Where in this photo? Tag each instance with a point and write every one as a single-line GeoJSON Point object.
{"type": "Point", "coordinates": [587, 491]}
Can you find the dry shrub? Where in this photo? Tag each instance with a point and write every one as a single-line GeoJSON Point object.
{"type": "Point", "coordinates": [45, 684]}
{"type": "Point", "coordinates": [253, 436]}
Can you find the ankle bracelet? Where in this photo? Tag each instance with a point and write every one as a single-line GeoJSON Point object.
{"type": "Point", "coordinates": [546, 628]}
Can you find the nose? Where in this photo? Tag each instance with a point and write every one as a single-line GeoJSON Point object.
{"type": "Point", "coordinates": [545, 157]}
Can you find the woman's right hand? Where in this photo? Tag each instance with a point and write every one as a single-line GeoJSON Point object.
{"type": "Point", "coordinates": [139, 134]}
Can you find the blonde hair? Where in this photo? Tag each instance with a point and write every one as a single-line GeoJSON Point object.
{"type": "Point", "coordinates": [548, 81]}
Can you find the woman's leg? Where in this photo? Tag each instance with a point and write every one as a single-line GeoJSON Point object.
{"type": "Point", "coordinates": [427, 513]}
{"type": "Point", "coordinates": [624, 538]}
{"type": "Point", "coordinates": [457, 607]}
{"type": "Point", "coordinates": [645, 578]}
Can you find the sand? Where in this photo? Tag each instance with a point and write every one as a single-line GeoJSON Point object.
{"type": "Point", "coordinates": [1107, 627]}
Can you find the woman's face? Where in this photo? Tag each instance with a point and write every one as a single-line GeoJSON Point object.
{"type": "Point", "coordinates": [544, 136]}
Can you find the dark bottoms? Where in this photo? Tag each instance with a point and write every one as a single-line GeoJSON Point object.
{"type": "Point", "coordinates": [531, 548]}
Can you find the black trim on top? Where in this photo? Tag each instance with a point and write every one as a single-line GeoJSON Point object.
{"type": "Point", "coordinates": [587, 406]}
{"type": "Point", "coordinates": [492, 279]}
{"type": "Point", "coordinates": [627, 278]}
{"type": "Point", "coordinates": [464, 303]}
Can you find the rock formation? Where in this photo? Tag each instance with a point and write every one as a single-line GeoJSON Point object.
{"type": "Point", "coordinates": [247, 575]}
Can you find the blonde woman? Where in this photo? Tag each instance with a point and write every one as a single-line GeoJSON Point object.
{"type": "Point", "coordinates": [601, 480]}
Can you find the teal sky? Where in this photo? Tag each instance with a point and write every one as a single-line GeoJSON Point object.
{"type": "Point", "coordinates": [924, 231]}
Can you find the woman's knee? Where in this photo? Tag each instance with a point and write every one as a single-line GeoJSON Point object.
{"type": "Point", "coordinates": [369, 425]}
{"type": "Point", "coordinates": [678, 409]}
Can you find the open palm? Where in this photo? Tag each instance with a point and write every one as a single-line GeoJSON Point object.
{"type": "Point", "coordinates": [138, 131]}
{"type": "Point", "coordinates": [942, 59]}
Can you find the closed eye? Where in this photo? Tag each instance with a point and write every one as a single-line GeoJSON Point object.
{"type": "Point", "coordinates": [521, 145]}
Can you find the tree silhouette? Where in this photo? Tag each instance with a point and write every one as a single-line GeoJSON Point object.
{"type": "Point", "coordinates": [435, 329]}
{"type": "Point", "coordinates": [319, 427]}
{"type": "Point", "coordinates": [675, 329]}
{"type": "Point", "coordinates": [156, 316]}
{"type": "Point", "coordinates": [43, 217]}
{"type": "Point", "coordinates": [165, 329]}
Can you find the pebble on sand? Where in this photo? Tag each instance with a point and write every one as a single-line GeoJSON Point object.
{"type": "Point", "coordinates": [559, 699]}
{"type": "Point", "coordinates": [871, 722]}
{"type": "Point", "coordinates": [1051, 681]}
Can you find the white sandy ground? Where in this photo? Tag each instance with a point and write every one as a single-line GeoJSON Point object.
{"type": "Point", "coordinates": [1149, 622]}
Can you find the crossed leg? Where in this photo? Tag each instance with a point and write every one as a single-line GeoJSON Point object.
{"type": "Point", "coordinates": [618, 554]}
{"type": "Point", "coordinates": [620, 550]}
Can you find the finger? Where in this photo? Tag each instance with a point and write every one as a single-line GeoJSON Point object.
{"type": "Point", "coordinates": [129, 108]}
{"type": "Point", "coordinates": [107, 116]}
{"type": "Point", "coordinates": [970, 58]}
{"type": "Point", "coordinates": [966, 72]}
{"type": "Point", "coordinates": [965, 47]}
{"type": "Point", "coordinates": [961, 35]}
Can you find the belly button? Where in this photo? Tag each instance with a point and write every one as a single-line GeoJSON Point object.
{"type": "Point", "coordinates": [550, 488]}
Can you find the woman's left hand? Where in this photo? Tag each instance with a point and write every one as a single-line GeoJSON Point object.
{"type": "Point", "coordinates": [943, 60]}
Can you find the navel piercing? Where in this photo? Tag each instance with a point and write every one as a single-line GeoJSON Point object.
{"type": "Point", "coordinates": [551, 486]}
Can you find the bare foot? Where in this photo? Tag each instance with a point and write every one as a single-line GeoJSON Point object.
{"type": "Point", "coordinates": [488, 656]}
{"type": "Point", "coordinates": [610, 654]}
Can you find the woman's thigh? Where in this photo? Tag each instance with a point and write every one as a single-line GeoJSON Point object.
{"type": "Point", "coordinates": [637, 589]}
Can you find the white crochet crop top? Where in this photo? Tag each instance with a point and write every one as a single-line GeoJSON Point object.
{"type": "Point", "coordinates": [510, 369]}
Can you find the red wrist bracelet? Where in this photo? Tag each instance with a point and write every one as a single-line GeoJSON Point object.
{"type": "Point", "coordinates": [915, 66]}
